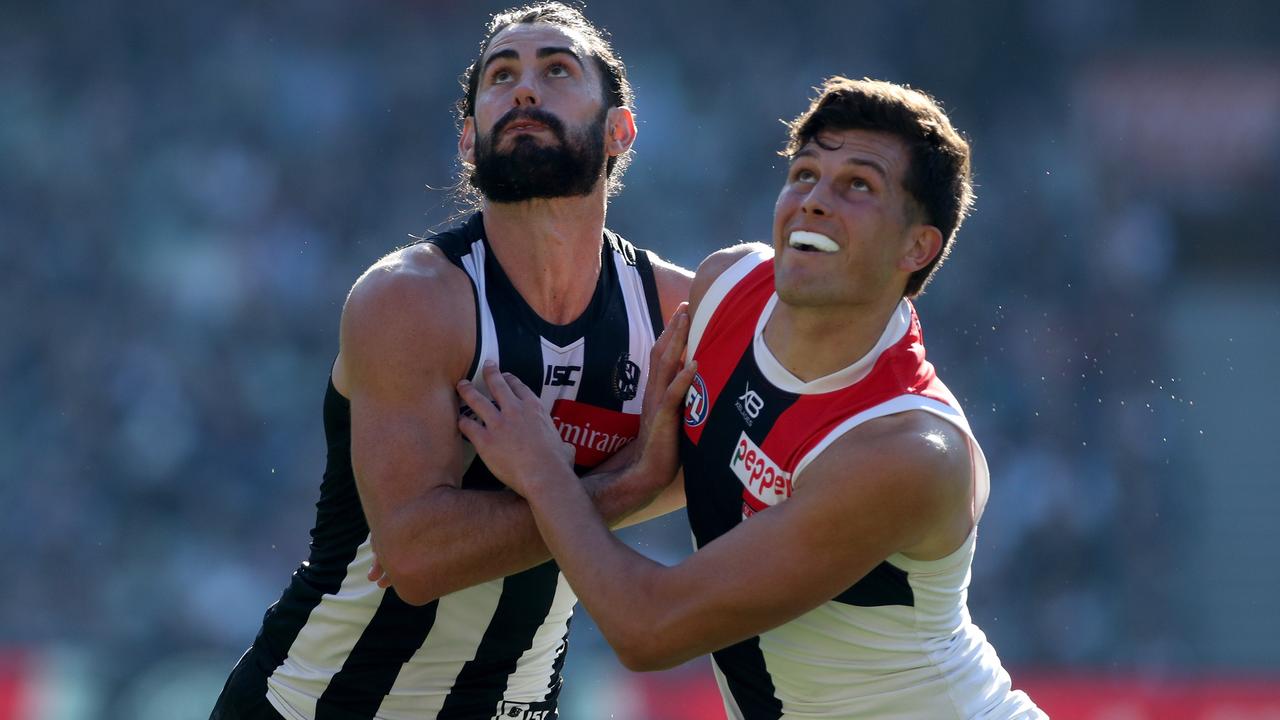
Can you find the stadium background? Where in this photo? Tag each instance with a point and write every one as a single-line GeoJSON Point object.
{"type": "Point", "coordinates": [187, 191]}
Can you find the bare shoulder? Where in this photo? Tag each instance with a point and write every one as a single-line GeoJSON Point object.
{"type": "Point", "coordinates": [673, 283]}
{"type": "Point", "coordinates": [915, 443]}
{"type": "Point", "coordinates": [714, 266]}
{"type": "Point", "coordinates": [912, 467]}
{"type": "Point", "coordinates": [402, 270]}
{"type": "Point", "coordinates": [411, 307]}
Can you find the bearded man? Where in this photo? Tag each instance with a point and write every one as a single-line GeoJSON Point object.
{"type": "Point", "coordinates": [471, 618]}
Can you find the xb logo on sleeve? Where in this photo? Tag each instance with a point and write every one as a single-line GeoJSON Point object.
{"type": "Point", "coordinates": [749, 404]}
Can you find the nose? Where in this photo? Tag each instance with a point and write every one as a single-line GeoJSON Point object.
{"type": "Point", "coordinates": [815, 201]}
{"type": "Point", "coordinates": [526, 93]}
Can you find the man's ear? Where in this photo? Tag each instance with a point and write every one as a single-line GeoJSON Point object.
{"type": "Point", "coordinates": [620, 131]}
{"type": "Point", "coordinates": [922, 245]}
{"type": "Point", "coordinates": [467, 141]}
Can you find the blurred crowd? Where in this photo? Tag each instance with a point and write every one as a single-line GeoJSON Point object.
{"type": "Point", "coordinates": [188, 190]}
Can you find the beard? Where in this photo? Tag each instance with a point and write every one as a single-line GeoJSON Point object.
{"type": "Point", "coordinates": [569, 168]}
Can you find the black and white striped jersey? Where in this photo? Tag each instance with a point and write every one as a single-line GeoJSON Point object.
{"type": "Point", "coordinates": [338, 646]}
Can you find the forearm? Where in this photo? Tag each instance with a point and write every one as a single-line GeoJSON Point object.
{"type": "Point", "coordinates": [626, 491]}
{"type": "Point", "coordinates": [618, 487]}
{"type": "Point", "coordinates": [627, 594]}
{"type": "Point", "coordinates": [454, 538]}
{"type": "Point", "coordinates": [450, 539]}
{"type": "Point", "coordinates": [670, 499]}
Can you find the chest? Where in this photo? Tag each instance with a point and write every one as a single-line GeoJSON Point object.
{"type": "Point", "coordinates": [742, 439]}
{"type": "Point", "coordinates": [591, 385]}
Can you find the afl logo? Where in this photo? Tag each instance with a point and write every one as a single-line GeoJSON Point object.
{"type": "Point", "coordinates": [695, 402]}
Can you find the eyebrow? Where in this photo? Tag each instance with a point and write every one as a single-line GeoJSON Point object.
{"type": "Point", "coordinates": [549, 51]}
{"type": "Point", "coordinates": [542, 53]}
{"type": "Point", "coordinates": [810, 152]}
{"type": "Point", "coordinates": [500, 55]}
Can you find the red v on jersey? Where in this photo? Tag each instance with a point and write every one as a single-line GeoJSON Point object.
{"type": "Point", "coordinates": [764, 458]}
{"type": "Point", "coordinates": [594, 432]}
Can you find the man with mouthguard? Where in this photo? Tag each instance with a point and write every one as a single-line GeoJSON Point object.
{"type": "Point", "coordinates": [834, 486]}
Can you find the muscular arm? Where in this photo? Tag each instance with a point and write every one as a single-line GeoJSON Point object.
{"type": "Point", "coordinates": [407, 338]}
{"type": "Point", "coordinates": [911, 493]}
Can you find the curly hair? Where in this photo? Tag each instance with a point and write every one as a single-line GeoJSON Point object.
{"type": "Point", "coordinates": [938, 175]}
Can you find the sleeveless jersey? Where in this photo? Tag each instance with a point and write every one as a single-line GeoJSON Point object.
{"type": "Point", "coordinates": [899, 643]}
{"type": "Point", "coordinates": [338, 646]}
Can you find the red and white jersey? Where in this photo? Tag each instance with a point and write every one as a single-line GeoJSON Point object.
{"type": "Point", "coordinates": [898, 643]}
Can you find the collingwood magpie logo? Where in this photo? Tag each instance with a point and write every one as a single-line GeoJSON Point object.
{"type": "Point", "coordinates": [626, 378]}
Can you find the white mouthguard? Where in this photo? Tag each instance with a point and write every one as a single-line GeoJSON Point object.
{"type": "Point", "coordinates": [817, 241]}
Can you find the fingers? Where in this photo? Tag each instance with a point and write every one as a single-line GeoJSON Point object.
{"type": "Point", "coordinates": [665, 362]}
{"type": "Point", "coordinates": [521, 390]}
{"type": "Point", "coordinates": [473, 431]}
{"type": "Point", "coordinates": [669, 400]}
{"type": "Point", "coordinates": [679, 338]}
{"type": "Point", "coordinates": [681, 308]}
{"type": "Point", "coordinates": [506, 389]}
{"type": "Point", "coordinates": [673, 398]}
{"type": "Point", "coordinates": [499, 385]}
{"type": "Point", "coordinates": [666, 338]}
{"type": "Point", "coordinates": [669, 348]}
{"type": "Point", "coordinates": [482, 406]}
{"type": "Point", "coordinates": [378, 575]}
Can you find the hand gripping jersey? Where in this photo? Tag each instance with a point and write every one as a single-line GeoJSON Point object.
{"type": "Point", "coordinates": [338, 646]}
{"type": "Point", "coordinates": [899, 642]}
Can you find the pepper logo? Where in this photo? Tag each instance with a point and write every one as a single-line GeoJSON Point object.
{"type": "Point", "coordinates": [764, 483]}
{"type": "Point", "coordinates": [695, 402]}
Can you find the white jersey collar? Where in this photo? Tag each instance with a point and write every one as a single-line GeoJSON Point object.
{"type": "Point", "coordinates": [774, 372]}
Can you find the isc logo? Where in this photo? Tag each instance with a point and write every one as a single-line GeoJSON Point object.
{"type": "Point", "coordinates": [558, 375]}
{"type": "Point", "coordinates": [764, 483]}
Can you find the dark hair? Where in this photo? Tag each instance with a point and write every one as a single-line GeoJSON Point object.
{"type": "Point", "coordinates": [938, 176]}
{"type": "Point", "coordinates": [615, 87]}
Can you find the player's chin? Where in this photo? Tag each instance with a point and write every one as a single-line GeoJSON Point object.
{"type": "Point", "coordinates": [793, 275]}
{"type": "Point", "coordinates": [801, 291]}
{"type": "Point", "coordinates": [511, 141]}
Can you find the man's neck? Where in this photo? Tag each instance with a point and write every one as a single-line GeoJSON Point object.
{"type": "Point", "coordinates": [813, 342]}
{"type": "Point", "coordinates": [550, 249]}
